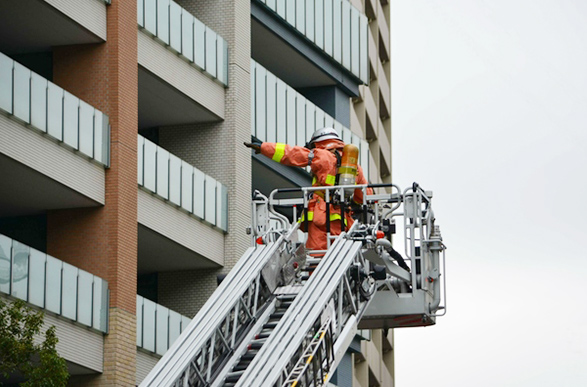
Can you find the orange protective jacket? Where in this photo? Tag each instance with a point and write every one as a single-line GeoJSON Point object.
{"type": "Point", "coordinates": [323, 167]}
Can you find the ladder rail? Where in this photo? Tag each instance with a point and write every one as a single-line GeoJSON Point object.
{"type": "Point", "coordinates": [181, 359]}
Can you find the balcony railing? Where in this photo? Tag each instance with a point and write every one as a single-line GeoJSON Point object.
{"type": "Point", "coordinates": [181, 184]}
{"type": "Point", "coordinates": [335, 26]}
{"type": "Point", "coordinates": [157, 326]}
{"type": "Point", "coordinates": [42, 105]}
{"type": "Point", "coordinates": [281, 114]}
{"type": "Point", "coordinates": [181, 32]}
{"type": "Point", "coordinates": [53, 285]}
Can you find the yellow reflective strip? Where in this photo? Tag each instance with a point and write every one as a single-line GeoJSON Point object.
{"type": "Point", "coordinates": [334, 217]}
{"type": "Point", "coordinates": [310, 217]}
{"type": "Point", "coordinates": [309, 360]}
{"type": "Point", "coordinates": [330, 180]}
{"type": "Point", "coordinates": [279, 151]}
{"type": "Point", "coordinates": [314, 180]}
{"type": "Point", "coordinates": [294, 384]}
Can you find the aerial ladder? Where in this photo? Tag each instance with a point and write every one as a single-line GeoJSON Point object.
{"type": "Point", "coordinates": [285, 317]}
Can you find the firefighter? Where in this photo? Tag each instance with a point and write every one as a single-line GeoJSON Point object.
{"type": "Point", "coordinates": [321, 155]}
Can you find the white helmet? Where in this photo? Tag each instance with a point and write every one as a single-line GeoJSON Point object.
{"type": "Point", "coordinates": [324, 134]}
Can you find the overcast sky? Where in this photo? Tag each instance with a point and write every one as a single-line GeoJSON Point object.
{"type": "Point", "coordinates": [490, 113]}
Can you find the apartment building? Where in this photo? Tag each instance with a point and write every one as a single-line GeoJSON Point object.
{"type": "Point", "coordinates": [126, 187]}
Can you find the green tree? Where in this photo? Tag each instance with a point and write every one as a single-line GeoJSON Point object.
{"type": "Point", "coordinates": [39, 364]}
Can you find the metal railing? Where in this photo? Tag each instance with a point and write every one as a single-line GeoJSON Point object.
{"type": "Point", "coordinates": [335, 26]}
{"type": "Point", "coordinates": [181, 32]}
{"type": "Point", "coordinates": [157, 326]}
{"type": "Point", "coordinates": [281, 114]}
{"type": "Point", "coordinates": [39, 103]}
{"type": "Point", "coordinates": [53, 285]}
{"type": "Point", "coordinates": [178, 182]}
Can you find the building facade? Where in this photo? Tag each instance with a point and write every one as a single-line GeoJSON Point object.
{"type": "Point", "coordinates": [126, 187]}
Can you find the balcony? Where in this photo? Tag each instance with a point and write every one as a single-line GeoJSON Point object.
{"type": "Point", "coordinates": [281, 114]}
{"type": "Point", "coordinates": [68, 294]}
{"type": "Point", "coordinates": [183, 213]}
{"type": "Point", "coordinates": [310, 43]}
{"type": "Point", "coordinates": [183, 67]}
{"type": "Point", "coordinates": [37, 25]}
{"type": "Point", "coordinates": [53, 142]}
{"type": "Point", "coordinates": [157, 329]}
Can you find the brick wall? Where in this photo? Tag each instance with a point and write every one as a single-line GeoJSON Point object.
{"type": "Point", "coordinates": [104, 241]}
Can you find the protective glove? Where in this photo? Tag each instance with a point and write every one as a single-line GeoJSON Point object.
{"type": "Point", "coordinates": [256, 146]}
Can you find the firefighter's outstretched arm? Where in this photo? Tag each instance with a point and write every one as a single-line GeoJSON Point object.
{"type": "Point", "coordinates": [296, 156]}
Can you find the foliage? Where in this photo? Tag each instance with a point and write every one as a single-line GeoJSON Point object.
{"type": "Point", "coordinates": [38, 363]}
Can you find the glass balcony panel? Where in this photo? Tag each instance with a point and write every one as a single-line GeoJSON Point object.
{"type": "Point", "coordinates": [84, 298]}
{"type": "Point", "coordinates": [5, 263]}
{"type": "Point", "coordinates": [100, 305]}
{"type": "Point", "coordinates": [22, 79]}
{"type": "Point", "coordinates": [328, 121]}
{"type": "Point", "coordinates": [364, 157]}
{"type": "Point", "coordinates": [210, 200]}
{"type": "Point", "coordinates": [53, 285]}
{"type": "Point", "coordinates": [175, 26]}
{"type": "Point", "coordinates": [199, 193]}
{"type": "Point", "coordinates": [55, 118]}
{"type": "Point", "coordinates": [55, 111]}
{"type": "Point", "coordinates": [141, 158]}
{"type": "Point", "coordinates": [337, 26]}
{"type": "Point", "coordinates": [310, 19]}
{"type": "Point", "coordinates": [149, 163]}
{"type": "Point", "coordinates": [319, 119]}
{"type": "Point", "coordinates": [70, 120]}
{"type": "Point", "coordinates": [187, 35]}
{"type": "Point", "coordinates": [162, 173]}
{"type": "Point", "coordinates": [291, 116]}
{"type": "Point", "coordinates": [219, 205]}
{"type": "Point", "coordinates": [101, 137]}
{"type": "Point", "coordinates": [281, 8]}
{"type": "Point", "coordinates": [20, 270]}
{"type": "Point", "coordinates": [38, 102]}
{"type": "Point", "coordinates": [69, 291]}
{"type": "Point", "coordinates": [86, 129]}
{"type": "Point", "coordinates": [271, 4]}
{"type": "Point", "coordinates": [223, 207]}
{"type": "Point", "coordinates": [175, 180]}
{"type": "Point", "coordinates": [356, 140]}
{"type": "Point", "coordinates": [328, 26]}
{"type": "Point", "coordinates": [187, 186]}
{"type": "Point", "coordinates": [139, 315]}
{"type": "Point", "coordinates": [163, 20]}
{"type": "Point", "coordinates": [253, 98]}
{"type": "Point", "coordinates": [310, 120]}
{"type": "Point", "coordinates": [162, 330]}
{"type": "Point", "coordinates": [344, 132]}
{"type": "Point", "coordinates": [281, 100]}
{"type": "Point", "coordinates": [346, 34]}
{"type": "Point", "coordinates": [355, 36]}
{"type": "Point", "coordinates": [319, 30]}
{"type": "Point", "coordinates": [271, 107]}
{"type": "Point", "coordinates": [37, 278]}
{"type": "Point", "coordinates": [174, 326]}
{"type": "Point", "coordinates": [199, 44]}
{"type": "Point", "coordinates": [222, 60]}
{"type": "Point", "coordinates": [184, 322]}
{"type": "Point", "coordinates": [6, 65]}
{"type": "Point", "coordinates": [364, 44]}
{"type": "Point", "coordinates": [260, 114]}
{"type": "Point", "coordinates": [150, 10]}
{"type": "Point", "coordinates": [300, 15]}
{"type": "Point", "coordinates": [301, 119]}
{"type": "Point", "coordinates": [149, 310]}
{"type": "Point", "coordinates": [210, 52]}
{"type": "Point", "coordinates": [290, 12]}
{"type": "Point", "coordinates": [141, 13]}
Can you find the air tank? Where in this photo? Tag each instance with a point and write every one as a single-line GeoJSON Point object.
{"type": "Point", "coordinates": [347, 171]}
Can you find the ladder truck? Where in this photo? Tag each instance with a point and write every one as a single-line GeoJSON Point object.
{"type": "Point", "coordinates": [282, 317]}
